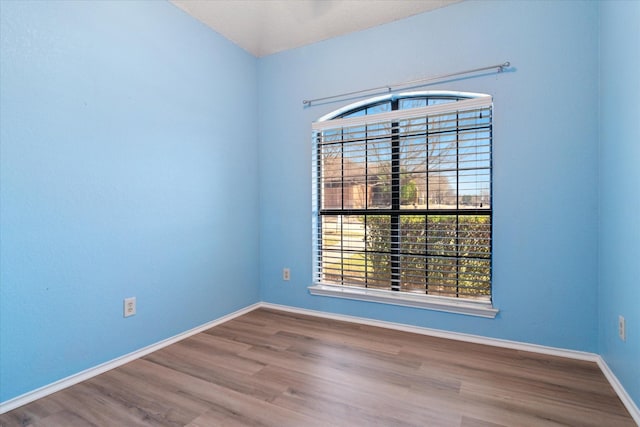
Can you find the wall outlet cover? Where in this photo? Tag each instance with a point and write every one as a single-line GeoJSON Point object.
{"type": "Point", "coordinates": [129, 306]}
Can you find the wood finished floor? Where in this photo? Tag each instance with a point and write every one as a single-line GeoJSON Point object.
{"type": "Point", "coordinates": [271, 368]}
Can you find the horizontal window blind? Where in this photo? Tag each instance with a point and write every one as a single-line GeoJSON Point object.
{"type": "Point", "coordinates": [402, 198]}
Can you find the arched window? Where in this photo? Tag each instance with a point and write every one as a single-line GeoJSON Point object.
{"type": "Point", "coordinates": [402, 200]}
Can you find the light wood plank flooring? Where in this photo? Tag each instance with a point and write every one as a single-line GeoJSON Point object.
{"type": "Point", "coordinates": [271, 368]}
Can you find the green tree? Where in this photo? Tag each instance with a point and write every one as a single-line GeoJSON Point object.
{"type": "Point", "coordinates": [408, 193]}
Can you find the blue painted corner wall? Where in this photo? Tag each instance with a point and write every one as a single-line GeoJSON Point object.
{"type": "Point", "coordinates": [545, 157]}
{"type": "Point", "coordinates": [127, 169]}
{"type": "Point", "coordinates": [142, 154]}
{"type": "Point", "coordinates": [619, 189]}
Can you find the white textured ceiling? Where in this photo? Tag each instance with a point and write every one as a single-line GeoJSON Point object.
{"type": "Point", "coordinates": [263, 27]}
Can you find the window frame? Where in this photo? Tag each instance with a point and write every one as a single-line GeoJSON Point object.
{"type": "Point", "coordinates": [394, 295]}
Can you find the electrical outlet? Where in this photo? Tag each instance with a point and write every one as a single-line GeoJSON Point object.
{"type": "Point", "coordinates": [286, 274]}
{"type": "Point", "coordinates": [129, 306]}
{"type": "Point", "coordinates": [622, 329]}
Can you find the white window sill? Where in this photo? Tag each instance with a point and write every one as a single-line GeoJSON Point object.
{"type": "Point", "coordinates": [449, 305]}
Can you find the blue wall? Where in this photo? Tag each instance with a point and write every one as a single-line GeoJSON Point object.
{"type": "Point", "coordinates": [545, 157]}
{"type": "Point", "coordinates": [127, 169]}
{"type": "Point", "coordinates": [619, 154]}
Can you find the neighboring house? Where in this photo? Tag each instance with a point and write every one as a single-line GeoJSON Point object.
{"type": "Point", "coordinates": [354, 191]}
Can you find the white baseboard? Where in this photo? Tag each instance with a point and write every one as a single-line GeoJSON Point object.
{"type": "Point", "coordinates": [515, 345]}
{"type": "Point", "coordinates": [620, 390]}
{"type": "Point", "coordinates": [104, 367]}
{"type": "Point", "coordinates": [477, 339]}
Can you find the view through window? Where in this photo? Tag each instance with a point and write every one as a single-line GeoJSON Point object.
{"type": "Point", "coordinates": [402, 195]}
